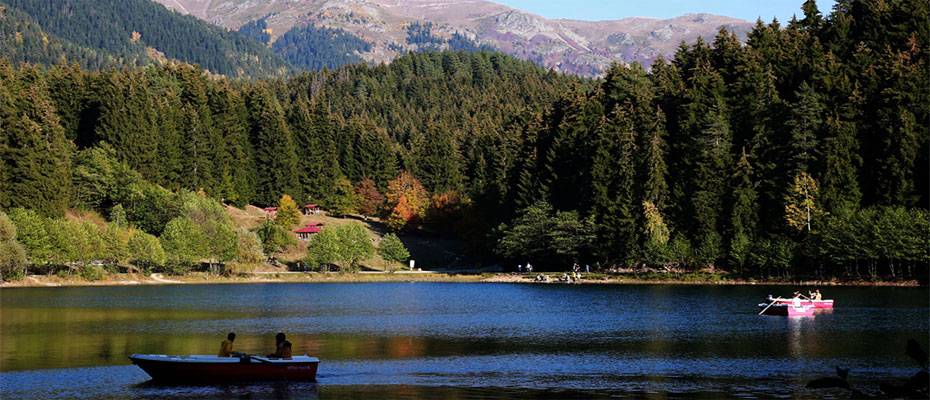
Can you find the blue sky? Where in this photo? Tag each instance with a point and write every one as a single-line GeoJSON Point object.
{"type": "Point", "coordinates": [616, 9]}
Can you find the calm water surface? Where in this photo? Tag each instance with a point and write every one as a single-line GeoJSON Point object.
{"type": "Point", "coordinates": [442, 340]}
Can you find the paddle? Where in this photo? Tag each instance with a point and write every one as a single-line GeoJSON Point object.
{"type": "Point", "coordinates": [251, 357]}
{"type": "Point", "coordinates": [770, 304]}
{"type": "Point", "coordinates": [260, 360]}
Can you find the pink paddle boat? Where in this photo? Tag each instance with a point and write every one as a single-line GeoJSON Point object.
{"type": "Point", "coordinates": [804, 302]}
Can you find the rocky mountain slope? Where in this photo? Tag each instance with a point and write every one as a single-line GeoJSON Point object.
{"type": "Point", "coordinates": [581, 47]}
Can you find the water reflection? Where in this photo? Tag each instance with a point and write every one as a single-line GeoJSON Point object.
{"type": "Point", "coordinates": [265, 390]}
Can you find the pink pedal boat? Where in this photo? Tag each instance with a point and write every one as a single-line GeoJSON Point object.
{"type": "Point", "coordinates": [804, 302]}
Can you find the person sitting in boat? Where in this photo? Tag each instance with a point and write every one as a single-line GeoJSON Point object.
{"type": "Point", "coordinates": [282, 347]}
{"type": "Point", "coordinates": [226, 348]}
{"type": "Point", "coordinates": [817, 295]}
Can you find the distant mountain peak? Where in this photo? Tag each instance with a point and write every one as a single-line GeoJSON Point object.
{"type": "Point", "coordinates": [572, 46]}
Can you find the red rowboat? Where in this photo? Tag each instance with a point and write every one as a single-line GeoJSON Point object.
{"type": "Point", "coordinates": [804, 302]}
{"type": "Point", "coordinates": [214, 369]}
{"type": "Point", "coordinates": [790, 310]}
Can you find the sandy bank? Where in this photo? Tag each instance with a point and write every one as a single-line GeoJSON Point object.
{"type": "Point", "coordinates": [425, 276]}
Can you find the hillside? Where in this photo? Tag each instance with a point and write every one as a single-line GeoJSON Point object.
{"type": "Point", "coordinates": [580, 47]}
{"type": "Point", "coordinates": [97, 33]}
{"type": "Point", "coordinates": [801, 152]}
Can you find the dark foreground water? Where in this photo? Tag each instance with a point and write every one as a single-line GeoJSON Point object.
{"type": "Point", "coordinates": [460, 341]}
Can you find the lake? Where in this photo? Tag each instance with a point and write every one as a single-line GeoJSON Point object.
{"type": "Point", "coordinates": [460, 340]}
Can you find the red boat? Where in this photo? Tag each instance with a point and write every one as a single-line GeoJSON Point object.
{"type": "Point", "coordinates": [804, 302]}
{"type": "Point", "coordinates": [790, 310]}
{"type": "Point", "coordinates": [214, 369]}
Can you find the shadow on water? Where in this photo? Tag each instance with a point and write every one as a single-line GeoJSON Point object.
{"type": "Point", "coordinates": [293, 390]}
{"type": "Point", "coordinates": [252, 390]}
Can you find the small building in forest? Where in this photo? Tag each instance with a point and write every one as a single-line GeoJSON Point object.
{"type": "Point", "coordinates": [312, 209]}
{"type": "Point", "coordinates": [271, 211]}
{"type": "Point", "coordinates": [306, 232]}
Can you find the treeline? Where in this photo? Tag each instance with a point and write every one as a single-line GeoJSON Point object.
{"type": "Point", "coordinates": [314, 48]}
{"type": "Point", "coordinates": [801, 152]}
{"type": "Point", "coordinates": [138, 139]}
{"type": "Point", "coordinates": [420, 35]}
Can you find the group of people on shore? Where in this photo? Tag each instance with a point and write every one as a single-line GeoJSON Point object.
{"type": "Point", "coordinates": [567, 277]}
{"type": "Point", "coordinates": [282, 347]}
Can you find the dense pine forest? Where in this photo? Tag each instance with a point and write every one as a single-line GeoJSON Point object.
{"type": "Point", "coordinates": [802, 152]}
{"type": "Point", "coordinates": [110, 33]}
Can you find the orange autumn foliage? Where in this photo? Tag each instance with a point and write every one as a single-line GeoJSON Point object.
{"type": "Point", "coordinates": [407, 199]}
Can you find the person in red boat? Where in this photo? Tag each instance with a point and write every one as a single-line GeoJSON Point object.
{"type": "Point", "coordinates": [226, 348]}
{"type": "Point", "coordinates": [282, 347]}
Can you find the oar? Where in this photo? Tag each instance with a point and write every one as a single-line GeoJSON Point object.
{"type": "Point", "coordinates": [770, 304]}
{"type": "Point", "coordinates": [252, 357]}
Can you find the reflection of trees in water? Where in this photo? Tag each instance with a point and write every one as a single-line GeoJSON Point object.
{"type": "Point", "coordinates": [916, 387]}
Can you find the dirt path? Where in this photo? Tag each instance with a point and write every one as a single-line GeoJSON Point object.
{"type": "Point", "coordinates": [159, 278]}
{"type": "Point", "coordinates": [38, 282]}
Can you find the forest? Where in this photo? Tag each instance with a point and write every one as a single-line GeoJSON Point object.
{"type": "Point", "coordinates": [802, 152]}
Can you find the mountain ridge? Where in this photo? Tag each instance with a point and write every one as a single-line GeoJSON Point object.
{"type": "Point", "coordinates": [568, 45]}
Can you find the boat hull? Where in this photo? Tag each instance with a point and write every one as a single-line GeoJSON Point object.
{"type": "Point", "coordinates": [787, 309]}
{"type": "Point", "coordinates": [213, 369]}
{"type": "Point", "coordinates": [814, 303]}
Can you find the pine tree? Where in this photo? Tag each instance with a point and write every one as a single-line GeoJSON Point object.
{"type": "Point", "coordinates": [709, 160]}
{"type": "Point", "coordinates": [744, 214]}
{"type": "Point", "coordinates": [812, 19]}
{"type": "Point", "coordinates": [805, 124]}
{"type": "Point", "coordinates": [439, 162]}
{"type": "Point", "coordinates": [615, 202]}
{"type": "Point", "coordinates": [238, 179]}
{"type": "Point", "coordinates": [654, 169]}
{"type": "Point", "coordinates": [275, 155]}
{"type": "Point", "coordinates": [36, 155]}
{"type": "Point", "coordinates": [841, 163]}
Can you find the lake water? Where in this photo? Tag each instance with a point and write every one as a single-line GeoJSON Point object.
{"type": "Point", "coordinates": [448, 341]}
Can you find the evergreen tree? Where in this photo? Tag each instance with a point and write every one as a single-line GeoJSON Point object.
{"type": "Point", "coordinates": [275, 153]}
{"type": "Point", "coordinates": [615, 199]}
{"type": "Point", "coordinates": [35, 155]}
{"type": "Point", "coordinates": [439, 162]}
{"type": "Point", "coordinates": [708, 158]}
{"type": "Point", "coordinates": [744, 214]}
{"type": "Point", "coordinates": [654, 169]}
{"type": "Point", "coordinates": [841, 163]}
{"type": "Point", "coordinates": [805, 124]}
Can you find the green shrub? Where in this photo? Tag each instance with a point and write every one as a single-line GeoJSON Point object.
{"type": "Point", "coordinates": [343, 245]}
{"type": "Point", "coordinates": [145, 251]}
{"type": "Point", "coordinates": [13, 260]}
{"type": "Point", "coordinates": [249, 247]}
{"type": "Point", "coordinates": [238, 268]}
{"type": "Point", "coordinates": [274, 237]}
{"type": "Point", "coordinates": [92, 272]}
{"type": "Point", "coordinates": [393, 250]}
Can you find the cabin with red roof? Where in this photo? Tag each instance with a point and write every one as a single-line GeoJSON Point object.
{"type": "Point", "coordinates": [271, 211]}
{"type": "Point", "coordinates": [311, 229]}
{"type": "Point", "coordinates": [311, 209]}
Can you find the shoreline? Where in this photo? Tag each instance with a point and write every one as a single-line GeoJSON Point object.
{"type": "Point", "coordinates": [126, 279]}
